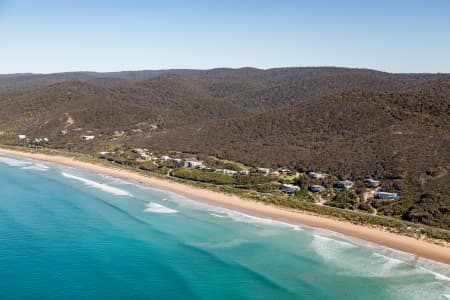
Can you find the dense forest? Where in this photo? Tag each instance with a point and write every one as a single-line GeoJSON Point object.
{"type": "Point", "coordinates": [353, 123]}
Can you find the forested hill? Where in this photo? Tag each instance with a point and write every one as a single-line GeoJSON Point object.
{"type": "Point", "coordinates": [353, 123]}
{"type": "Point", "coordinates": [352, 133]}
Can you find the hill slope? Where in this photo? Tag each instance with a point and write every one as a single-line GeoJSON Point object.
{"type": "Point", "coordinates": [353, 123]}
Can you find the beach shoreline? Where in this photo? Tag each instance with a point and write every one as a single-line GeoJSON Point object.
{"type": "Point", "coordinates": [418, 247]}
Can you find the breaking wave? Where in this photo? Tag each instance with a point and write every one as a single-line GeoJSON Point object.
{"type": "Point", "coordinates": [104, 187]}
{"type": "Point", "coordinates": [23, 164]}
{"type": "Point", "coordinates": [36, 167]}
{"type": "Point", "coordinates": [160, 209]}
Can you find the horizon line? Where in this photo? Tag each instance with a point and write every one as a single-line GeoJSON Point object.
{"type": "Point", "coordinates": [217, 68]}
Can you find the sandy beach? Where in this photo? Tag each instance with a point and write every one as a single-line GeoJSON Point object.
{"type": "Point", "coordinates": [399, 242]}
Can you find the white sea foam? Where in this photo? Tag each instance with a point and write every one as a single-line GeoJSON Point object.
{"type": "Point", "coordinates": [390, 261]}
{"type": "Point", "coordinates": [245, 218]}
{"type": "Point", "coordinates": [220, 245]}
{"type": "Point", "coordinates": [436, 275]}
{"type": "Point", "coordinates": [387, 263]}
{"type": "Point", "coordinates": [36, 167]}
{"type": "Point", "coordinates": [104, 187]}
{"type": "Point", "coordinates": [23, 164]}
{"type": "Point", "coordinates": [330, 248]}
{"type": "Point", "coordinates": [183, 201]}
{"type": "Point", "coordinates": [13, 162]}
{"type": "Point", "coordinates": [160, 209]}
{"type": "Point", "coordinates": [221, 212]}
{"type": "Point", "coordinates": [217, 215]}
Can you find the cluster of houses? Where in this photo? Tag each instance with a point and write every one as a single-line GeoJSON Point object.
{"type": "Point", "coordinates": [196, 164]}
{"type": "Point", "coordinates": [290, 189]}
{"type": "Point", "coordinates": [233, 172]}
{"type": "Point", "coordinates": [144, 154]}
{"type": "Point", "coordinates": [188, 163]}
{"type": "Point", "coordinates": [33, 142]}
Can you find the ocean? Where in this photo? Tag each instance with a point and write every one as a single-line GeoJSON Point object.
{"type": "Point", "coordinates": [67, 233]}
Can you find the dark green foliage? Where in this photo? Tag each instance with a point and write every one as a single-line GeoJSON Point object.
{"type": "Point", "coordinates": [343, 199]}
{"type": "Point", "coordinates": [253, 179]}
{"type": "Point", "coordinates": [203, 176]}
{"type": "Point", "coordinates": [303, 195]}
{"type": "Point", "coordinates": [267, 187]}
{"type": "Point", "coordinates": [347, 122]}
{"type": "Point", "coordinates": [365, 207]}
{"type": "Point", "coordinates": [429, 210]}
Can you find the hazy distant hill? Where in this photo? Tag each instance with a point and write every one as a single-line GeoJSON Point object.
{"type": "Point", "coordinates": [351, 122]}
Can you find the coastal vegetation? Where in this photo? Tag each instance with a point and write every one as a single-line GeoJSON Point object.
{"type": "Point", "coordinates": [349, 124]}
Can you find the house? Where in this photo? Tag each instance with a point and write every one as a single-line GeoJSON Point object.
{"type": "Point", "coordinates": [63, 131]}
{"type": "Point", "coordinates": [88, 137]}
{"type": "Point", "coordinates": [371, 182]}
{"type": "Point", "coordinates": [316, 188]}
{"type": "Point", "coordinates": [315, 175]}
{"type": "Point", "coordinates": [22, 137]}
{"type": "Point", "coordinates": [195, 164]}
{"type": "Point", "coordinates": [225, 171]}
{"type": "Point", "coordinates": [289, 189]}
{"type": "Point", "coordinates": [139, 151]}
{"type": "Point", "coordinates": [244, 172]}
{"type": "Point", "coordinates": [346, 184]}
{"type": "Point", "coordinates": [165, 158]}
{"type": "Point", "coordinates": [386, 196]}
{"type": "Point", "coordinates": [145, 156]}
{"type": "Point", "coordinates": [263, 171]}
{"type": "Point", "coordinates": [284, 171]}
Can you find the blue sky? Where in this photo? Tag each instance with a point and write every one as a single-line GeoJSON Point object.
{"type": "Point", "coordinates": [47, 36]}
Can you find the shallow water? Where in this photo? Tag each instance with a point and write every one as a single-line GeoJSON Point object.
{"type": "Point", "coordinates": [67, 233]}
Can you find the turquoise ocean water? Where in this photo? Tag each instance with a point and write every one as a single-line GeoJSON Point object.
{"type": "Point", "coordinates": [70, 234]}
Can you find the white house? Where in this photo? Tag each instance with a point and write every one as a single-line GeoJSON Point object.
{"type": "Point", "coordinates": [387, 196]}
{"type": "Point", "coordinates": [193, 164]}
{"type": "Point", "coordinates": [138, 151]}
{"type": "Point", "coordinates": [22, 136]}
{"type": "Point", "coordinates": [88, 137]}
{"type": "Point", "coordinates": [289, 189]}
{"type": "Point", "coordinates": [284, 171]}
{"type": "Point", "coordinates": [225, 171]}
{"type": "Point", "coordinates": [244, 172]}
{"type": "Point", "coordinates": [317, 188]}
{"type": "Point", "coordinates": [315, 175]}
{"type": "Point", "coordinates": [346, 184]}
{"type": "Point", "coordinates": [371, 182]}
{"type": "Point", "coordinates": [263, 171]}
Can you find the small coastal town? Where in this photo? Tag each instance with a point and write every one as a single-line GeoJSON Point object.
{"type": "Point", "coordinates": [312, 186]}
